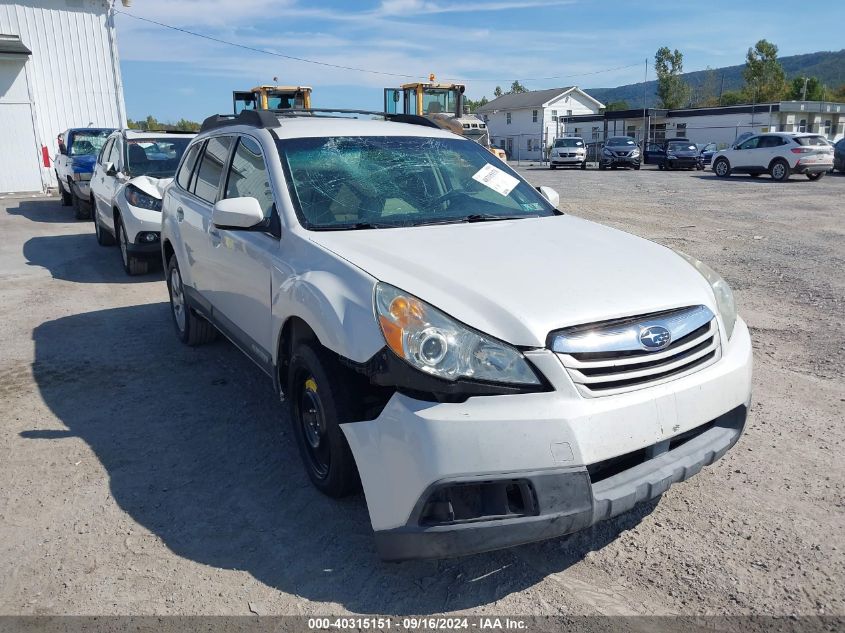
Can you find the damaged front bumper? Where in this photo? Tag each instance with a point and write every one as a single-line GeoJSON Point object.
{"type": "Point", "coordinates": [452, 478]}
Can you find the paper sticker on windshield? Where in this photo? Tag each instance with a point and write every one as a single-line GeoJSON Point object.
{"type": "Point", "coordinates": [496, 179]}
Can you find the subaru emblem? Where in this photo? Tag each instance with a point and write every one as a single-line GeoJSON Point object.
{"type": "Point", "coordinates": [655, 337]}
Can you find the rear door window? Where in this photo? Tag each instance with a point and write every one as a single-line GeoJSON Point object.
{"type": "Point", "coordinates": [183, 178]}
{"type": "Point", "coordinates": [210, 170]}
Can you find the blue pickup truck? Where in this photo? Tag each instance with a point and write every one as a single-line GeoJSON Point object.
{"type": "Point", "coordinates": [74, 164]}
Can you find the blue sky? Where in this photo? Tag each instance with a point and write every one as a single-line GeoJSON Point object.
{"type": "Point", "coordinates": [543, 43]}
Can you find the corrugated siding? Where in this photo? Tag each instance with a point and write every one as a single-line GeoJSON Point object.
{"type": "Point", "coordinates": [74, 72]}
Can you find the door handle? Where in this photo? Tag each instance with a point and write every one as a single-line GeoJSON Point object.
{"type": "Point", "coordinates": [180, 214]}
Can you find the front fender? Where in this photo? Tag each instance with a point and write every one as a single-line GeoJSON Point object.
{"type": "Point", "coordinates": [336, 305]}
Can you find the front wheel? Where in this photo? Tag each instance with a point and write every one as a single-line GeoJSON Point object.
{"type": "Point", "coordinates": [80, 208]}
{"type": "Point", "coordinates": [67, 199]}
{"type": "Point", "coordinates": [319, 404]}
{"type": "Point", "coordinates": [131, 264]}
{"type": "Point", "coordinates": [602, 166]}
{"type": "Point", "coordinates": [816, 176]}
{"type": "Point", "coordinates": [584, 165]}
{"type": "Point", "coordinates": [552, 166]}
{"type": "Point", "coordinates": [779, 170]}
{"type": "Point", "coordinates": [104, 238]}
{"type": "Point", "coordinates": [191, 329]}
{"type": "Point", "coordinates": [637, 167]}
{"type": "Point", "coordinates": [722, 168]}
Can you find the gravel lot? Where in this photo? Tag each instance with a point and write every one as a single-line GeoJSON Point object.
{"type": "Point", "coordinates": [138, 476]}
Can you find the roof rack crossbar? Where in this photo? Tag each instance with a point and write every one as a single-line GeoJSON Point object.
{"type": "Point", "coordinates": [270, 118]}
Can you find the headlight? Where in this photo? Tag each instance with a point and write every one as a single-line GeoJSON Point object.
{"type": "Point", "coordinates": [607, 152]}
{"type": "Point", "coordinates": [138, 198]}
{"type": "Point", "coordinates": [636, 152]}
{"type": "Point", "coordinates": [670, 155]}
{"type": "Point", "coordinates": [436, 344]}
{"type": "Point", "coordinates": [724, 295]}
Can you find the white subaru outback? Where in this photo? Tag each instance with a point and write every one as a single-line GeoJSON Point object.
{"type": "Point", "coordinates": [490, 370]}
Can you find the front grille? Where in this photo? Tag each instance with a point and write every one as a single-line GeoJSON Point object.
{"type": "Point", "coordinates": [608, 358]}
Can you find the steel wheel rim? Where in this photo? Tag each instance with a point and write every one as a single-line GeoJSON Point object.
{"type": "Point", "coordinates": [124, 248]}
{"type": "Point", "coordinates": [177, 299]}
{"type": "Point", "coordinates": [311, 418]}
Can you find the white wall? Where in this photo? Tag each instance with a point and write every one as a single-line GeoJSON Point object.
{"type": "Point", "coordinates": [73, 75]}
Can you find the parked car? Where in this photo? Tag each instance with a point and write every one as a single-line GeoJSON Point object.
{"type": "Point", "coordinates": [74, 164]}
{"type": "Point", "coordinates": [653, 153]}
{"type": "Point", "coordinates": [620, 151]}
{"type": "Point", "coordinates": [839, 156]}
{"type": "Point", "coordinates": [568, 152]}
{"type": "Point", "coordinates": [405, 290]}
{"type": "Point", "coordinates": [130, 176]}
{"type": "Point", "coordinates": [779, 154]}
{"type": "Point", "coordinates": [680, 153]}
{"type": "Point", "coordinates": [707, 151]}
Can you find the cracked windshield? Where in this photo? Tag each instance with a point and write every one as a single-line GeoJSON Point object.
{"type": "Point", "coordinates": [354, 182]}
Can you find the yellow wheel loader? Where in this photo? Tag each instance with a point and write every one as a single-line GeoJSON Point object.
{"type": "Point", "coordinates": [272, 98]}
{"type": "Point", "coordinates": [444, 105]}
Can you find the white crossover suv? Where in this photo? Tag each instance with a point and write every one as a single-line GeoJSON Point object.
{"type": "Point", "coordinates": [779, 154]}
{"type": "Point", "coordinates": [490, 370]}
{"type": "Point", "coordinates": [130, 174]}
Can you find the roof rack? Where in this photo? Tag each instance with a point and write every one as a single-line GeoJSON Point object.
{"type": "Point", "coordinates": [270, 118]}
{"type": "Point", "coordinates": [157, 131]}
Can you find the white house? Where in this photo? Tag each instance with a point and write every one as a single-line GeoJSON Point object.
{"type": "Point", "coordinates": [524, 123]}
{"type": "Point", "coordinates": [59, 68]}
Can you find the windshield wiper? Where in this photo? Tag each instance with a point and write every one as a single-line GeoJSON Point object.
{"type": "Point", "coordinates": [473, 217]}
{"type": "Point", "coordinates": [354, 226]}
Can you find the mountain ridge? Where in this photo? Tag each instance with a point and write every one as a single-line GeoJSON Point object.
{"type": "Point", "coordinates": [828, 66]}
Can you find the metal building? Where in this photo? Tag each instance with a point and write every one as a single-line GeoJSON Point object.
{"type": "Point", "coordinates": [59, 68]}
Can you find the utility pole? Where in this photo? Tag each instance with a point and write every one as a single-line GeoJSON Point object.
{"type": "Point", "coordinates": [645, 106]}
{"type": "Point", "coordinates": [804, 89]}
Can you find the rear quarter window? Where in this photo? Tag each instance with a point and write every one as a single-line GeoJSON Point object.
{"type": "Point", "coordinates": [811, 140]}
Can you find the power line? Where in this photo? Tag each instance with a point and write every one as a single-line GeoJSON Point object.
{"type": "Point", "coordinates": [353, 68]}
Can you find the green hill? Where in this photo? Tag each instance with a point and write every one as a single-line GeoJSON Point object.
{"type": "Point", "coordinates": [829, 67]}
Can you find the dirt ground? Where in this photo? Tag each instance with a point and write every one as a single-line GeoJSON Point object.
{"type": "Point", "coordinates": [138, 476]}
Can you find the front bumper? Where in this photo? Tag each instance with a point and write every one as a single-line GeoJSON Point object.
{"type": "Point", "coordinates": [414, 446]}
{"type": "Point", "coordinates": [82, 189]}
{"type": "Point", "coordinates": [683, 163]}
{"type": "Point", "coordinates": [568, 160]}
{"type": "Point", "coordinates": [567, 499]}
{"type": "Point", "coordinates": [624, 161]}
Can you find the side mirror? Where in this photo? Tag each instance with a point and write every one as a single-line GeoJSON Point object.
{"type": "Point", "coordinates": [551, 195]}
{"type": "Point", "coordinates": [111, 170]}
{"type": "Point", "coordinates": [237, 213]}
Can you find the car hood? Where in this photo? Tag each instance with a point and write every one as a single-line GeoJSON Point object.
{"type": "Point", "coordinates": [519, 280]}
{"type": "Point", "coordinates": [151, 186]}
{"type": "Point", "coordinates": [84, 163]}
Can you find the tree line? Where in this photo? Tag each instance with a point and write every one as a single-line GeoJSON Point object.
{"type": "Point", "coordinates": [764, 77]}
{"type": "Point", "coordinates": [151, 123]}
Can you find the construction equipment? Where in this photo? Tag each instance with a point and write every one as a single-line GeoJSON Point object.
{"type": "Point", "coordinates": [272, 98]}
{"type": "Point", "coordinates": [443, 104]}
